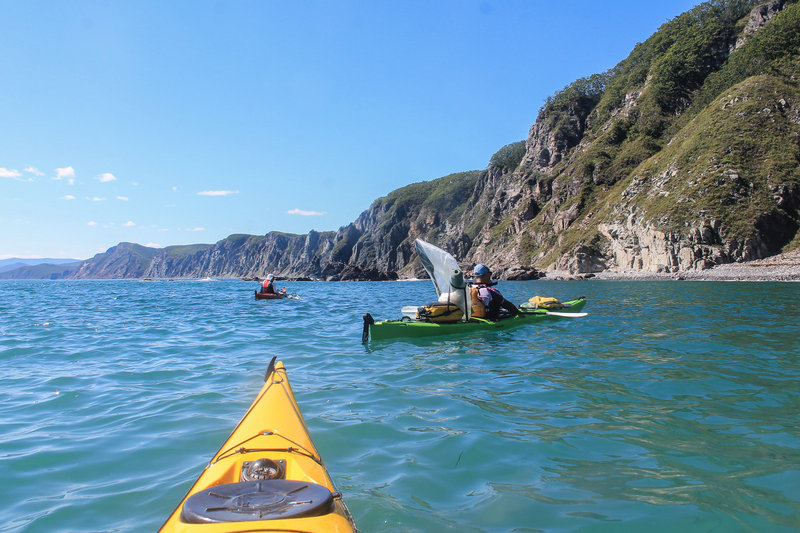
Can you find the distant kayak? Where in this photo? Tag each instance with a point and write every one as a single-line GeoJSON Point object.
{"type": "Point", "coordinates": [415, 328]}
{"type": "Point", "coordinates": [269, 295]}
{"type": "Point", "coordinates": [268, 476]}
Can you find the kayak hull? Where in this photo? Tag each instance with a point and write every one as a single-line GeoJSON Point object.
{"type": "Point", "coordinates": [394, 329]}
{"type": "Point", "coordinates": [268, 460]}
{"type": "Point", "coordinates": [269, 296]}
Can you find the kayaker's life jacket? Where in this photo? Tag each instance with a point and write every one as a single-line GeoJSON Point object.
{"type": "Point", "coordinates": [486, 301]}
{"type": "Point", "coordinates": [478, 309]}
{"type": "Point", "coordinates": [440, 312]}
{"type": "Point", "coordinates": [267, 287]}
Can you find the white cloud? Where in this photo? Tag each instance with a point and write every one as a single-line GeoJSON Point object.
{"type": "Point", "coordinates": [33, 170]}
{"type": "Point", "coordinates": [14, 174]}
{"type": "Point", "coordinates": [67, 197]}
{"type": "Point", "coordinates": [153, 245]}
{"type": "Point", "coordinates": [105, 177]}
{"type": "Point", "coordinates": [91, 223]}
{"type": "Point", "coordinates": [96, 199]}
{"type": "Point", "coordinates": [305, 213]}
{"type": "Point", "coordinates": [129, 224]}
{"type": "Point", "coordinates": [174, 188]}
{"type": "Point", "coordinates": [66, 172]}
{"type": "Point", "coordinates": [195, 229]}
{"type": "Point", "coordinates": [123, 198]}
{"type": "Point", "coordinates": [9, 173]}
{"type": "Point", "coordinates": [217, 193]}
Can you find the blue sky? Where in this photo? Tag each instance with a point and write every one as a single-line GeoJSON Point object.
{"type": "Point", "coordinates": [183, 122]}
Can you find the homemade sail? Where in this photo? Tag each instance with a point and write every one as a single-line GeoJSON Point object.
{"type": "Point", "coordinates": [445, 273]}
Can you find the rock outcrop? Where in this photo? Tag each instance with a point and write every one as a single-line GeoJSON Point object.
{"type": "Point", "coordinates": [759, 17]}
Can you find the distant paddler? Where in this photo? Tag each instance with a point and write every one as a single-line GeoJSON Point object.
{"type": "Point", "coordinates": [268, 286]}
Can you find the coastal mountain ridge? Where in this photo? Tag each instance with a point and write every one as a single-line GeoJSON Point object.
{"type": "Point", "coordinates": [26, 268]}
{"type": "Point", "coordinates": [684, 156]}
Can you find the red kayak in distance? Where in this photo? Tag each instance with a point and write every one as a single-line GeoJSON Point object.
{"type": "Point", "coordinates": [269, 295]}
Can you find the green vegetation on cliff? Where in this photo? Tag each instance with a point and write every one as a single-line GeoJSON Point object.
{"type": "Point", "coordinates": [676, 60]}
{"type": "Point", "coordinates": [185, 250]}
{"type": "Point", "coordinates": [444, 196]}
{"type": "Point", "coordinates": [770, 50]}
{"type": "Point", "coordinates": [688, 128]}
{"type": "Point", "coordinates": [729, 162]}
{"type": "Point", "coordinates": [508, 157]}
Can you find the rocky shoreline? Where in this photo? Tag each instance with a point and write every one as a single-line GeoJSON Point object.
{"type": "Point", "coordinates": [783, 267]}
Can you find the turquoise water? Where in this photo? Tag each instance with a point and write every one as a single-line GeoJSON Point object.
{"type": "Point", "coordinates": [673, 406]}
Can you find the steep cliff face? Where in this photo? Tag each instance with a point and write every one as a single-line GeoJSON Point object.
{"type": "Point", "coordinates": [684, 156]}
{"type": "Point", "coordinates": [662, 177]}
{"type": "Point", "coordinates": [434, 210]}
{"type": "Point", "coordinates": [712, 199]}
{"type": "Point", "coordinates": [285, 255]}
{"type": "Point", "coordinates": [557, 131]}
{"type": "Point", "coordinates": [126, 260]}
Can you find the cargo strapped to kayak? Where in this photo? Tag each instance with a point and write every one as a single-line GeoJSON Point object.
{"type": "Point", "coordinates": [441, 313]}
{"type": "Point", "coordinates": [542, 302]}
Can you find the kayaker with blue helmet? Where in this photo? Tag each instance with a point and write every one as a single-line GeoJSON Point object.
{"type": "Point", "coordinates": [487, 301]}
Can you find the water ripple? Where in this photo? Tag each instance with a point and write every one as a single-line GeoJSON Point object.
{"type": "Point", "coordinates": [670, 404]}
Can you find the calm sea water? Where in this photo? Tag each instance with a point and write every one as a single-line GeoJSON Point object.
{"type": "Point", "coordinates": [673, 406]}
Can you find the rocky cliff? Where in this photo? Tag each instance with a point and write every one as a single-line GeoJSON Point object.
{"type": "Point", "coordinates": [684, 156]}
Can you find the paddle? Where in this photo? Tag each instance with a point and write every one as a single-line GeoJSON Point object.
{"type": "Point", "coordinates": [569, 315]}
{"type": "Point", "coordinates": [288, 296]}
{"type": "Point", "coordinates": [551, 313]}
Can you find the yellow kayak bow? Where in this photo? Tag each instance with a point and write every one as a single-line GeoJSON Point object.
{"type": "Point", "coordinates": [268, 476]}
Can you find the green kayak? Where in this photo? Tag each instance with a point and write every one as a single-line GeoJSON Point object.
{"type": "Point", "coordinates": [412, 328]}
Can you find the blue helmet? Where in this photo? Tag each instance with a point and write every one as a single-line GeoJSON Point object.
{"type": "Point", "coordinates": [481, 269]}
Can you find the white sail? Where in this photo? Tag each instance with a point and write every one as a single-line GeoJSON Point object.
{"type": "Point", "coordinates": [445, 273]}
